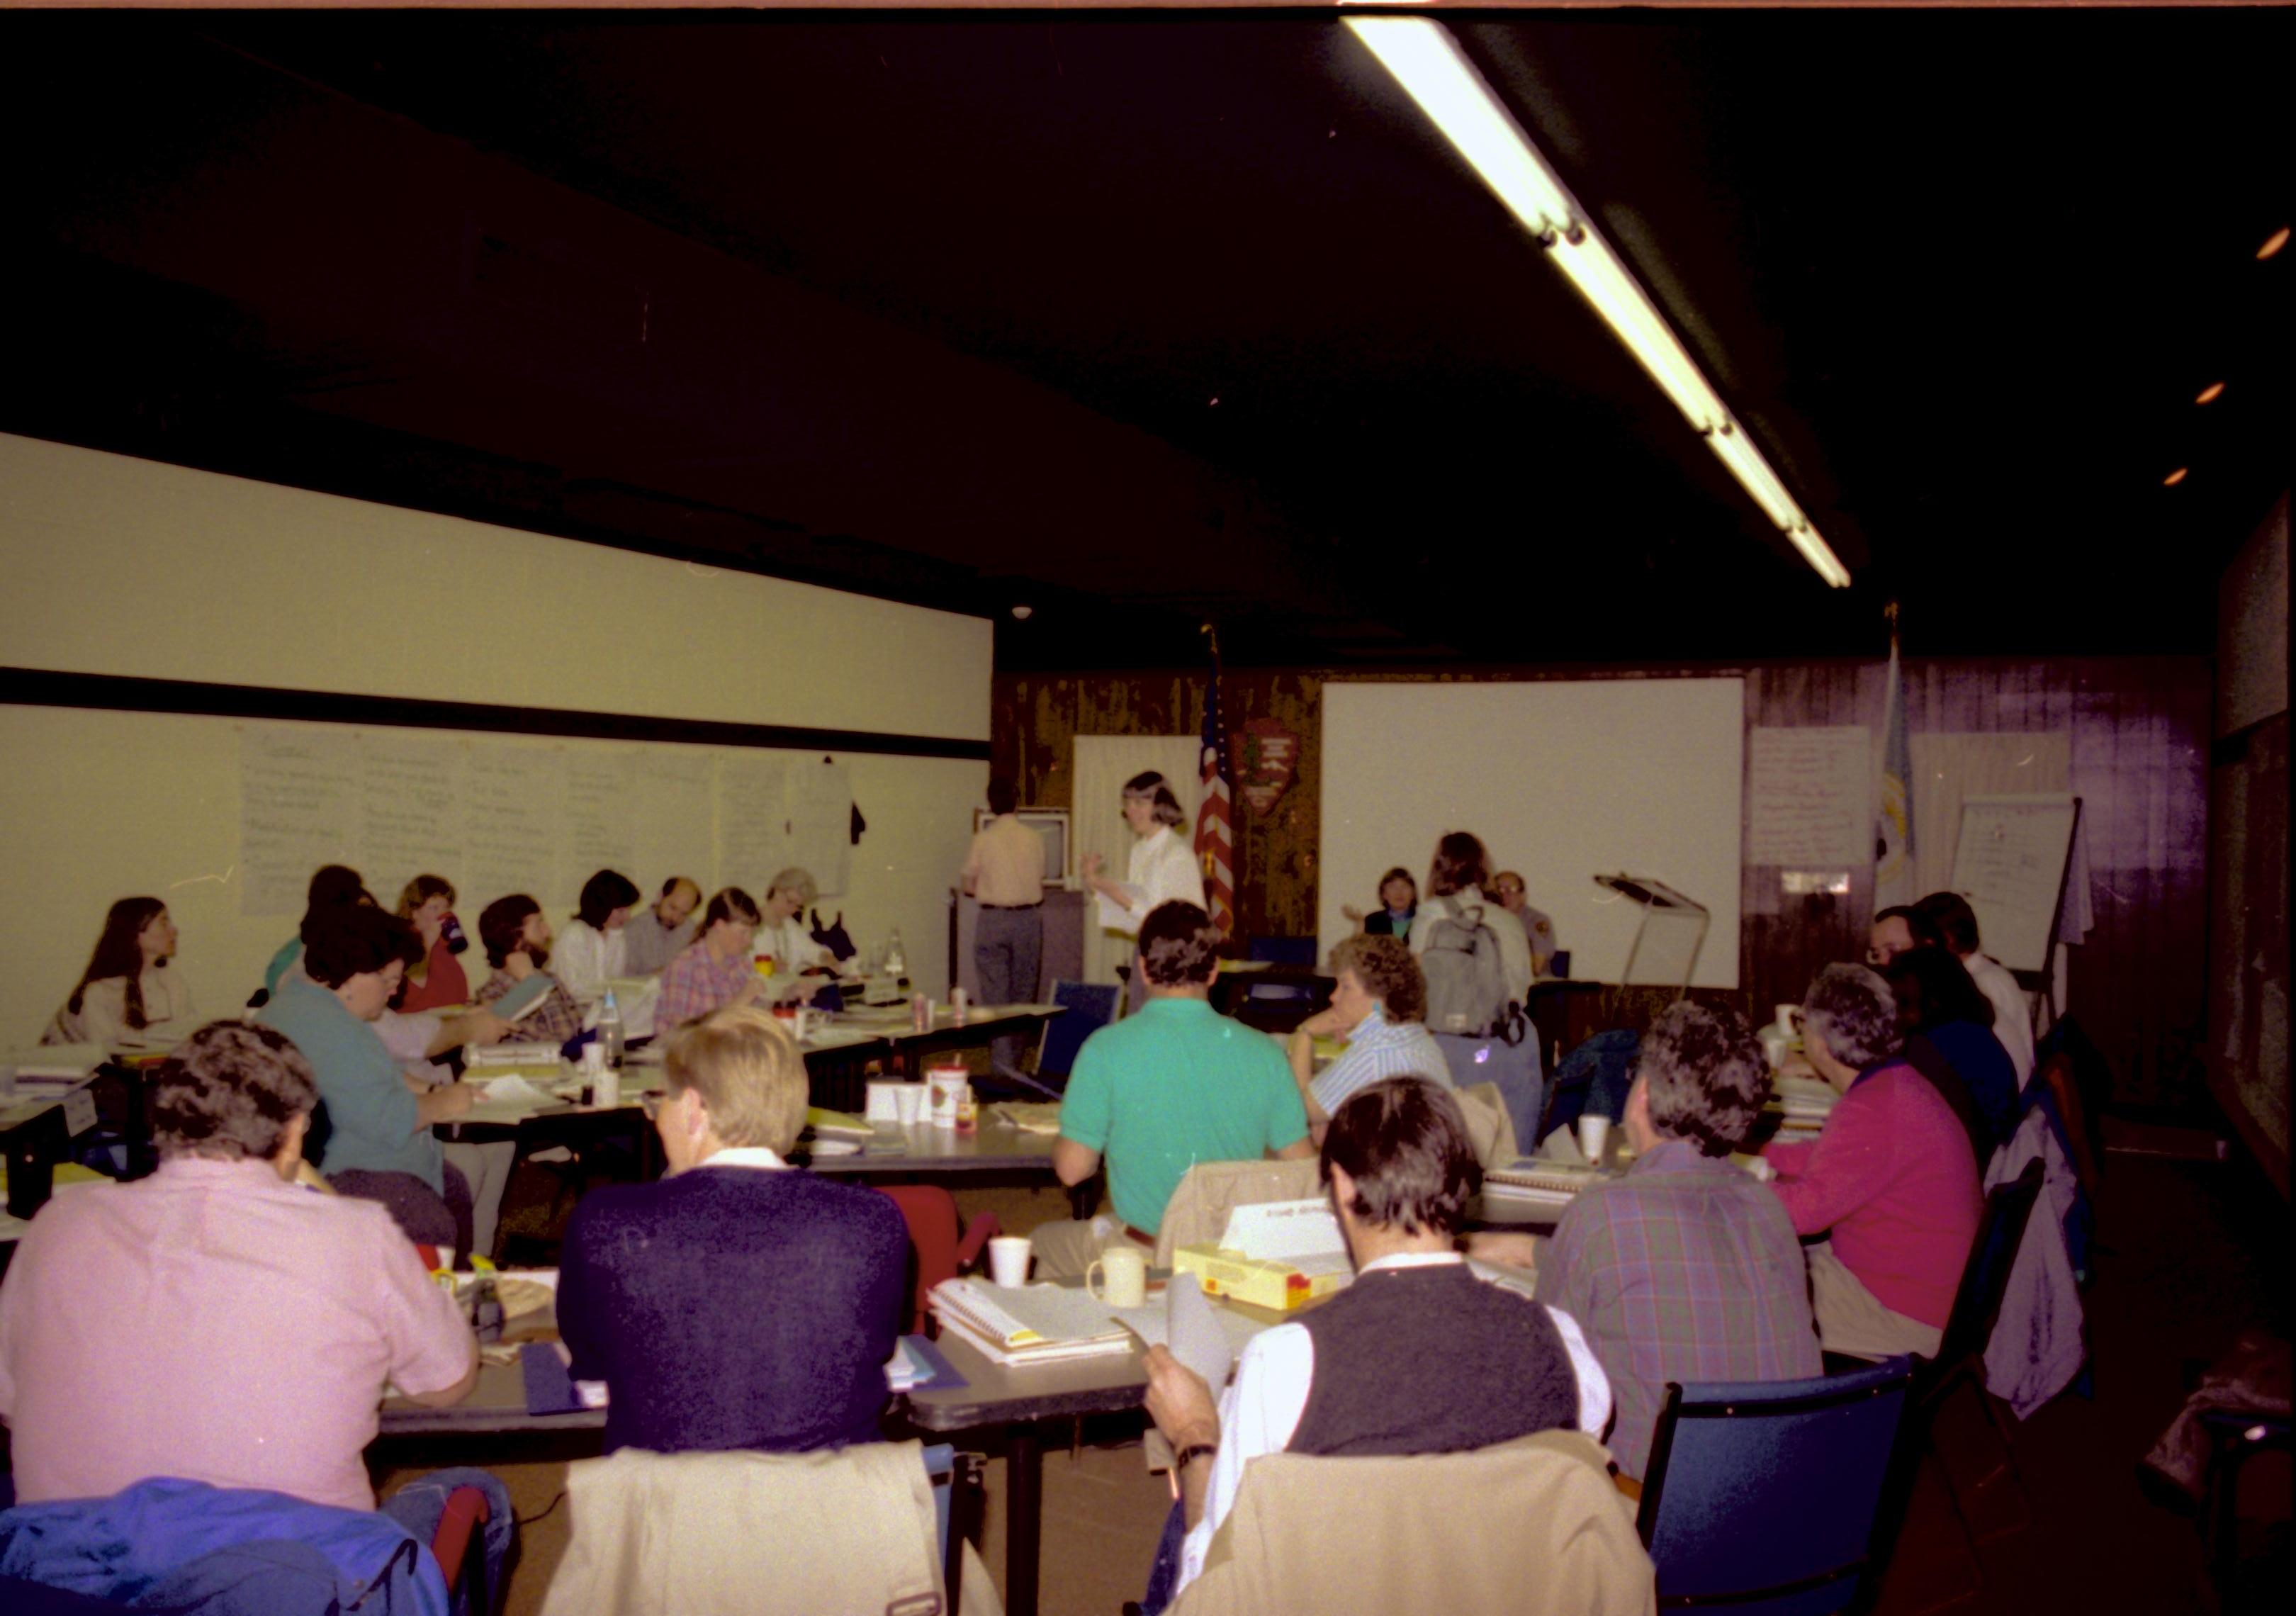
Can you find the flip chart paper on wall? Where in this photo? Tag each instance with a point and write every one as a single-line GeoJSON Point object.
{"type": "Point", "coordinates": [1810, 798]}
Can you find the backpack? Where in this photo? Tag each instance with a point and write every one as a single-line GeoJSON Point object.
{"type": "Point", "coordinates": [1467, 984]}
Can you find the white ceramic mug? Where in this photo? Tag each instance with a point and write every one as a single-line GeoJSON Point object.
{"type": "Point", "coordinates": [1123, 1272]}
{"type": "Point", "coordinates": [1008, 1260]}
{"type": "Point", "coordinates": [1789, 1020]}
{"type": "Point", "coordinates": [1593, 1136]}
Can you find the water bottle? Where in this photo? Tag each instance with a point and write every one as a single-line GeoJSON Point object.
{"type": "Point", "coordinates": [897, 963]}
{"type": "Point", "coordinates": [610, 1032]}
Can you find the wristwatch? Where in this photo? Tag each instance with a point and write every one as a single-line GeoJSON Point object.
{"type": "Point", "coordinates": [1190, 1453]}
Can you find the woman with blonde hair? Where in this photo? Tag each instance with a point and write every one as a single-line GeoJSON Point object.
{"type": "Point", "coordinates": [1162, 867]}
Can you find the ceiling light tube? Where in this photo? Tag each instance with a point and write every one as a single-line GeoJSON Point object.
{"type": "Point", "coordinates": [1424, 59]}
{"type": "Point", "coordinates": [1428, 63]}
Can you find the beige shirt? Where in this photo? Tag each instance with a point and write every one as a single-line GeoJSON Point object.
{"type": "Point", "coordinates": [166, 1009]}
{"type": "Point", "coordinates": [1006, 865]}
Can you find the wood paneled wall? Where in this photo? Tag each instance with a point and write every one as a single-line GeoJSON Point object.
{"type": "Point", "coordinates": [2139, 729]}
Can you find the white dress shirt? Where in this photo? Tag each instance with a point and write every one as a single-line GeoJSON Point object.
{"type": "Point", "coordinates": [1262, 1407]}
{"type": "Point", "coordinates": [794, 951]}
{"type": "Point", "coordinates": [2013, 1011]}
{"type": "Point", "coordinates": [1165, 868]}
{"type": "Point", "coordinates": [584, 958]}
{"type": "Point", "coordinates": [744, 1155]}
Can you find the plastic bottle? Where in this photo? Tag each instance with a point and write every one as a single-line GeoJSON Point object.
{"type": "Point", "coordinates": [610, 1032]}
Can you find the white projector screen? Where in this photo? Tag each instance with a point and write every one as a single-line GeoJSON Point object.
{"type": "Point", "coordinates": [1563, 780]}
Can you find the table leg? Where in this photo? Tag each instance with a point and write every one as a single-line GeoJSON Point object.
{"type": "Point", "coordinates": [1024, 1504]}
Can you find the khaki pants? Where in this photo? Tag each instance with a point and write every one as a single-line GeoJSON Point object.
{"type": "Point", "coordinates": [1066, 1248]}
{"type": "Point", "coordinates": [1851, 1320]}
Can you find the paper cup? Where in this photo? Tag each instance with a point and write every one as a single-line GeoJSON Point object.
{"type": "Point", "coordinates": [884, 1103]}
{"type": "Point", "coordinates": [908, 1102]}
{"type": "Point", "coordinates": [948, 1085]}
{"type": "Point", "coordinates": [1008, 1260]}
{"type": "Point", "coordinates": [1593, 1136]}
{"type": "Point", "coordinates": [606, 1085]}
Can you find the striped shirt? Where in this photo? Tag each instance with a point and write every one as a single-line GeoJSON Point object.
{"type": "Point", "coordinates": [1379, 1048]}
{"type": "Point", "coordinates": [1686, 1269]}
{"type": "Point", "coordinates": [694, 984]}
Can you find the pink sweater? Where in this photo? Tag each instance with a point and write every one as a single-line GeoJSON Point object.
{"type": "Point", "coordinates": [1891, 1178]}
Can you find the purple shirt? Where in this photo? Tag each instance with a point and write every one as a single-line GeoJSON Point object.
{"type": "Point", "coordinates": [694, 984]}
{"type": "Point", "coordinates": [214, 1323]}
{"type": "Point", "coordinates": [1686, 1269]}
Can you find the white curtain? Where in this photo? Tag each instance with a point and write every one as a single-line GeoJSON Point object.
{"type": "Point", "coordinates": [1103, 764]}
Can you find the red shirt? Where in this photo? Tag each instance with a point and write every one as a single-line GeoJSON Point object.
{"type": "Point", "coordinates": [1891, 1178]}
{"type": "Point", "coordinates": [443, 983]}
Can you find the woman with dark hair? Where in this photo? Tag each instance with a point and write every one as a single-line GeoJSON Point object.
{"type": "Point", "coordinates": [332, 886]}
{"type": "Point", "coordinates": [1457, 877]}
{"type": "Point", "coordinates": [128, 989]}
{"type": "Point", "coordinates": [592, 950]}
{"type": "Point", "coordinates": [1947, 1023]}
{"type": "Point", "coordinates": [1398, 900]}
{"type": "Point", "coordinates": [427, 904]}
{"type": "Point", "coordinates": [1162, 869]}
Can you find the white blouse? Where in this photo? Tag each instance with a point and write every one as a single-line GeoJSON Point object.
{"type": "Point", "coordinates": [166, 1009]}
{"type": "Point", "coordinates": [585, 957]}
{"type": "Point", "coordinates": [1165, 868]}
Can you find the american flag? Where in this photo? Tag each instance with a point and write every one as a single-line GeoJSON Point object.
{"type": "Point", "coordinates": [1215, 820]}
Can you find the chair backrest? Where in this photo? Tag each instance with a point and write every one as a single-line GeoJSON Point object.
{"type": "Point", "coordinates": [1198, 1210]}
{"type": "Point", "coordinates": [1489, 1125]}
{"type": "Point", "coordinates": [1762, 1497]}
{"type": "Point", "coordinates": [1542, 1532]}
{"type": "Point", "coordinates": [931, 1213]}
{"type": "Point", "coordinates": [1985, 1278]}
{"type": "Point", "coordinates": [1086, 1008]}
{"type": "Point", "coordinates": [855, 1528]}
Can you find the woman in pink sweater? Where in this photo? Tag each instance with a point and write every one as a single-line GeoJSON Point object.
{"type": "Point", "coordinates": [1891, 1179]}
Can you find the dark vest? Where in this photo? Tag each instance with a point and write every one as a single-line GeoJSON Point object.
{"type": "Point", "coordinates": [1432, 1360]}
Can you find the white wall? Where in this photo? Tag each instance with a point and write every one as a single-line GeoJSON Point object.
{"type": "Point", "coordinates": [1563, 781]}
{"type": "Point", "coordinates": [127, 567]}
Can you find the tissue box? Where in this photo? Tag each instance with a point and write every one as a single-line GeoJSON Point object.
{"type": "Point", "coordinates": [1264, 1282]}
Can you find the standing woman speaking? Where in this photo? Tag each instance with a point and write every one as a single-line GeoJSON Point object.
{"type": "Point", "coordinates": [1163, 867]}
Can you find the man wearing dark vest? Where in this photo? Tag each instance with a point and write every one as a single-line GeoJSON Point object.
{"type": "Point", "coordinates": [1419, 1355]}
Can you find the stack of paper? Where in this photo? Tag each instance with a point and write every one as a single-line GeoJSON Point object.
{"type": "Point", "coordinates": [1031, 1117]}
{"type": "Point", "coordinates": [828, 1124]}
{"type": "Point", "coordinates": [1806, 1103]}
{"type": "Point", "coordinates": [1031, 1324]}
{"type": "Point", "coordinates": [515, 1054]}
{"type": "Point", "coordinates": [1540, 1179]}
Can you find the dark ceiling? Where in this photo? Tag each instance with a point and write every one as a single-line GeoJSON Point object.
{"type": "Point", "coordinates": [824, 294]}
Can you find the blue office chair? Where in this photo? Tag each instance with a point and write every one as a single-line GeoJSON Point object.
{"type": "Point", "coordinates": [1086, 1008]}
{"type": "Point", "coordinates": [1762, 1497]}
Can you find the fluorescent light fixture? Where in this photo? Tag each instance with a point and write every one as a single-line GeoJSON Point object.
{"type": "Point", "coordinates": [1424, 59]}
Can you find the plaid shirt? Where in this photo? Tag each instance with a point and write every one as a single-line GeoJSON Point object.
{"type": "Point", "coordinates": [1686, 1269]}
{"type": "Point", "coordinates": [558, 1019]}
{"type": "Point", "coordinates": [694, 984]}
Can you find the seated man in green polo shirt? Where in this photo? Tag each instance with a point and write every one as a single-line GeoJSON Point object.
{"type": "Point", "coordinates": [1171, 1085]}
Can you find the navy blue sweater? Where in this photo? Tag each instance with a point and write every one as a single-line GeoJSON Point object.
{"type": "Point", "coordinates": [733, 1307]}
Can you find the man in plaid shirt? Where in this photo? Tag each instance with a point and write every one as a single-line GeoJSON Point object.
{"type": "Point", "coordinates": [1686, 1268]}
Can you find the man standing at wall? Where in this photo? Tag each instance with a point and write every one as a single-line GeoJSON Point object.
{"type": "Point", "coordinates": [1004, 870]}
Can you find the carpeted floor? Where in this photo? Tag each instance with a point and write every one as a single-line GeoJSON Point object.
{"type": "Point", "coordinates": [2188, 1253]}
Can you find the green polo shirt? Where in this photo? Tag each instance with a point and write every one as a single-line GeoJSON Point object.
{"type": "Point", "coordinates": [370, 1109]}
{"type": "Point", "coordinates": [1171, 1085]}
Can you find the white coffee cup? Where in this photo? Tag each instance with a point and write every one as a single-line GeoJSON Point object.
{"type": "Point", "coordinates": [1593, 1136]}
{"type": "Point", "coordinates": [594, 1059]}
{"type": "Point", "coordinates": [606, 1088]}
{"type": "Point", "coordinates": [884, 1102]}
{"type": "Point", "coordinates": [908, 1104]}
{"type": "Point", "coordinates": [1789, 1020]}
{"type": "Point", "coordinates": [1124, 1276]}
{"type": "Point", "coordinates": [1008, 1260]}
